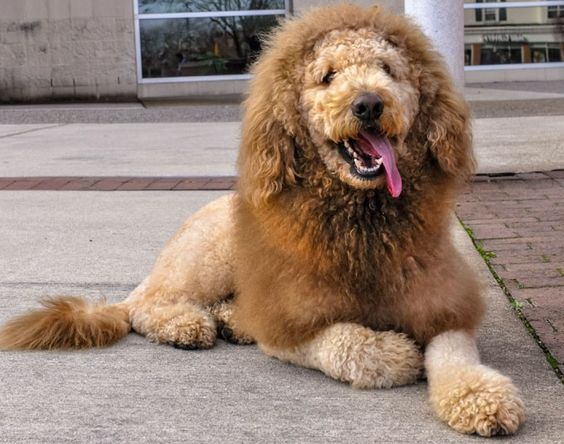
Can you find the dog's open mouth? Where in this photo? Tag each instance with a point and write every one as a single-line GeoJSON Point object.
{"type": "Point", "coordinates": [371, 155]}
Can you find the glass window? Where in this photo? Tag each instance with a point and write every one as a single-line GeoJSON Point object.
{"type": "Point", "coordinates": [171, 6]}
{"type": "Point", "coordinates": [210, 38]}
{"type": "Point", "coordinates": [467, 55]}
{"type": "Point", "coordinates": [539, 55]}
{"type": "Point", "coordinates": [500, 54]}
{"type": "Point", "coordinates": [554, 53]}
{"type": "Point", "coordinates": [201, 46]}
{"type": "Point", "coordinates": [478, 12]}
{"type": "Point", "coordinates": [502, 13]}
{"type": "Point", "coordinates": [545, 52]}
{"type": "Point", "coordinates": [555, 11]}
{"type": "Point", "coordinates": [490, 15]}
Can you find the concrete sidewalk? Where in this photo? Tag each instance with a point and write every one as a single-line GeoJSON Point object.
{"type": "Point", "coordinates": [514, 91]}
{"type": "Point", "coordinates": [504, 144]}
{"type": "Point", "coordinates": [102, 244]}
{"type": "Point", "coordinates": [139, 149]}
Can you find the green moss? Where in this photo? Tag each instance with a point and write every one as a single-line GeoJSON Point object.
{"type": "Point", "coordinates": [487, 255]}
{"type": "Point", "coordinates": [515, 305]}
{"type": "Point", "coordinates": [553, 362]}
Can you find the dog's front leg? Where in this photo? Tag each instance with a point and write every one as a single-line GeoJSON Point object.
{"type": "Point", "coordinates": [470, 397]}
{"type": "Point", "coordinates": [352, 353]}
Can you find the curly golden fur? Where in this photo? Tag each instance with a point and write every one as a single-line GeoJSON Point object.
{"type": "Point", "coordinates": [336, 244]}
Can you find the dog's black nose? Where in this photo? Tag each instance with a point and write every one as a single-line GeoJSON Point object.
{"type": "Point", "coordinates": [367, 107]}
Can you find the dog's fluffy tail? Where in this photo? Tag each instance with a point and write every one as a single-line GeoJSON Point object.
{"type": "Point", "coordinates": [66, 322]}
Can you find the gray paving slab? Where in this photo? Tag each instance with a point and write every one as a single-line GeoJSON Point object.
{"type": "Point", "coordinates": [539, 86]}
{"type": "Point", "coordinates": [78, 237]}
{"type": "Point", "coordinates": [519, 144]}
{"type": "Point", "coordinates": [14, 130]}
{"type": "Point", "coordinates": [517, 108]}
{"type": "Point", "coordinates": [516, 144]}
{"type": "Point", "coordinates": [143, 149]}
{"type": "Point", "coordinates": [141, 392]}
{"type": "Point", "coordinates": [121, 112]}
{"type": "Point", "coordinates": [491, 93]}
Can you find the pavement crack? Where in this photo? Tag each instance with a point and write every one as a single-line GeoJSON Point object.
{"type": "Point", "coordinates": [554, 329]}
{"type": "Point", "coordinates": [83, 285]}
{"type": "Point", "coordinates": [32, 130]}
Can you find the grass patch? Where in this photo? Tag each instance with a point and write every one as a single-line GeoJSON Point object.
{"type": "Point", "coordinates": [515, 304]}
{"type": "Point", "coordinates": [487, 255]}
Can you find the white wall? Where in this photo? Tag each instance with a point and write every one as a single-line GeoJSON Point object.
{"type": "Point", "coordinates": [66, 49]}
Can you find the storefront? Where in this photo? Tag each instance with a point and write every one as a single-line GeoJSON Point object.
{"type": "Point", "coordinates": [515, 46]}
{"type": "Point", "coordinates": [518, 34]}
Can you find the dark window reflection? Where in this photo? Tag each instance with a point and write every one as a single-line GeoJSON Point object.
{"type": "Point", "coordinates": [543, 53]}
{"type": "Point", "coordinates": [501, 54]}
{"type": "Point", "coordinates": [160, 6]}
{"type": "Point", "coordinates": [201, 46]}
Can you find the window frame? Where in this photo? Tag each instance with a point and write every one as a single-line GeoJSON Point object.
{"type": "Point", "coordinates": [491, 11]}
{"type": "Point", "coordinates": [190, 15]}
{"type": "Point", "coordinates": [558, 9]}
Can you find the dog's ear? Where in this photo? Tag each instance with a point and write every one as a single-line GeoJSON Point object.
{"type": "Point", "coordinates": [450, 135]}
{"type": "Point", "coordinates": [445, 120]}
{"type": "Point", "coordinates": [270, 127]}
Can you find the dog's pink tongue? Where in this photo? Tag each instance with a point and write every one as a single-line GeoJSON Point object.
{"type": "Point", "coordinates": [380, 146]}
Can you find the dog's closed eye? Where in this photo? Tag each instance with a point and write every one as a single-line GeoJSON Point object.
{"type": "Point", "coordinates": [328, 78]}
{"type": "Point", "coordinates": [387, 69]}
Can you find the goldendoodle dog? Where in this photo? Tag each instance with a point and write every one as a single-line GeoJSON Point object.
{"type": "Point", "coordinates": [335, 252]}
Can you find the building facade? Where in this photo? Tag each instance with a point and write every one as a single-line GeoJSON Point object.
{"type": "Point", "coordinates": [521, 42]}
{"type": "Point", "coordinates": [128, 49]}
{"type": "Point", "coordinates": [516, 35]}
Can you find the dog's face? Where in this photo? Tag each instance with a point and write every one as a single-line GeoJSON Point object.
{"type": "Point", "coordinates": [360, 99]}
{"type": "Point", "coordinates": [357, 96]}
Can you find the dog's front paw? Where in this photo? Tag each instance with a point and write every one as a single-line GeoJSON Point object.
{"type": "Point", "coordinates": [189, 331]}
{"type": "Point", "coordinates": [227, 328]}
{"type": "Point", "coordinates": [369, 359]}
{"type": "Point", "coordinates": [477, 399]}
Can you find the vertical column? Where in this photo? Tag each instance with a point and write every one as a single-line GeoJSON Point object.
{"type": "Point", "coordinates": [443, 22]}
